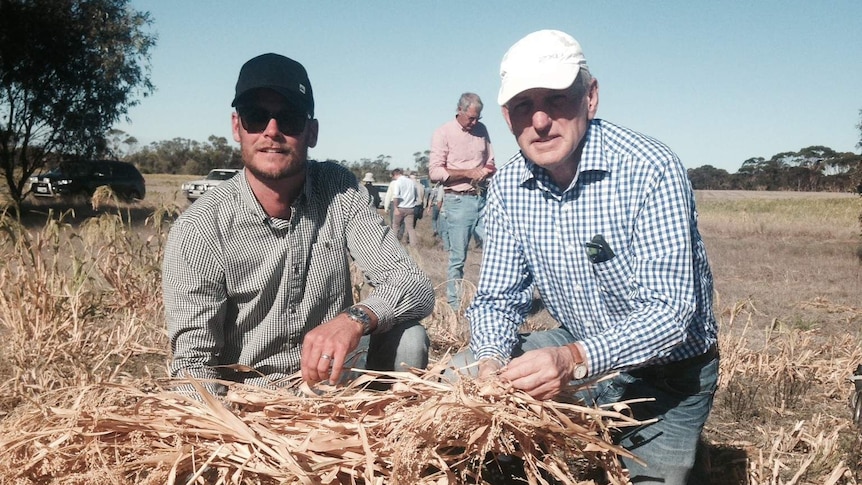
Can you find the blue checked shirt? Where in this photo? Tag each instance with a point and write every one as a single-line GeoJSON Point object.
{"type": "Point", "coordinates": [241, 287]}
{"type": "Point", "coordinates": [650, 304]}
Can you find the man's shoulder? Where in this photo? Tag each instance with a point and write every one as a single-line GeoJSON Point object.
{"type": "Point", "coordinates": [480, 130]}
{"type": "Point", "coordinates": [328, 168]}
{"type": "Point", "coordinates": [447, 127]}
{"type": "Point", "coordinates": [329, 174]}
{"type": "Point", "coordinates": [628, 141]}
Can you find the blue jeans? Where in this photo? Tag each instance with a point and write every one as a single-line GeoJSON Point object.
{"type": "Point", "coordinates": [460, 214]}
{"type": "Point", "coordinates": [682, 401]}
{"type": "Point", "coordinates": [405, 345]}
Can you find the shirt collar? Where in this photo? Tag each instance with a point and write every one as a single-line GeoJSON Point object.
{"type": "Point", "coordinates": [254, 207]}
{"type": "Point", "coordinates": [592, 159]}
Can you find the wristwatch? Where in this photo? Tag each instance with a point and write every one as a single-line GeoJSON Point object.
{"type": "Point", "coordinates": [580, 370]}
{"type": "Point", "coordinates": [358, 314]}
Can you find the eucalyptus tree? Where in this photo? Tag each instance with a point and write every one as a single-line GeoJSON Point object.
{"type": "Point", "coordinates": [69, 70]}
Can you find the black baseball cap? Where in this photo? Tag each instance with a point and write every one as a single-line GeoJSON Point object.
{"type": "Point", "coordinates": [281, 74]}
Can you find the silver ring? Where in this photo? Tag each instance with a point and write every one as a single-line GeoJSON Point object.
{"type": "Point", "coordinates": [326, 356]}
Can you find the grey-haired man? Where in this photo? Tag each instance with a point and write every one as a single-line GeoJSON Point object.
{"type": "Point", "coordinates": [600, 220]}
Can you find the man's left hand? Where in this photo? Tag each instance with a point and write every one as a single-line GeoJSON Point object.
{"type": "Point", "coordinates": [541, 373]}
{"type": "Point", "coordinates": [326, 347]}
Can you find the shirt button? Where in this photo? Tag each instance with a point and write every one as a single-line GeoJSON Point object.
{"type": "Point", "coordinates": [293, 309]}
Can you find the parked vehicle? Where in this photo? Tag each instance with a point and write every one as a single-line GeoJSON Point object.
{"type": "Point", "coordinates": [82, 178]}
{"type": "Point", "coordinates": [194, 189]}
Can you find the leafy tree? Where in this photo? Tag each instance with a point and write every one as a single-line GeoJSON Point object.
{"type": "Point", "coordinates": [859, 145]}
{"type": "Point", "coordinates": [378, 167]}
{"type": "Point", "coordinates": [708, 177]}
{"type": "Point", "coordinates": [69, 69]}
{"type": "Point", "coordinates": [422, 160]}
{"type": "Point", "coordinates": [184, 156]}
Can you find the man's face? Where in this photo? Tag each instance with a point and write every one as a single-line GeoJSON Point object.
{"type": "Point", "coordinates": [549, 124]}
{"type": "Point", "coordinates": [468, 118]}
{"type": "Point", "coordinates": [270, 153]}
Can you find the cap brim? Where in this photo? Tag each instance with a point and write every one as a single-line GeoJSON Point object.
{"type": "Point", "coordinates": [295, 99]}
{"type": "Point", "coordinates": [560, 78]}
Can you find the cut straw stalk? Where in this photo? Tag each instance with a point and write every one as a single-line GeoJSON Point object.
{"type": "Point", "coordinates": [422, 430]}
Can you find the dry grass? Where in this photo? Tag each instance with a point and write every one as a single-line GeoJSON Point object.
{"type": "Point", "coordinates": [83, 350]}
{"type": "Point", "coordinates": [424, 430]}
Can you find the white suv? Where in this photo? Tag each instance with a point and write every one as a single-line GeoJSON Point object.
{"type": "Point", "coordinates": [197, 188]}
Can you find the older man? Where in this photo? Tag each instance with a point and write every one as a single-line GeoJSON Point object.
{"type": "Point", "coordinates": [600, 220]}
{"type": "Point", "coordinates": [462, 160]}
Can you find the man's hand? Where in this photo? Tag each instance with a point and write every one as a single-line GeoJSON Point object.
{"type": "Point", "coordinates": [480, 174]}
{"type": "Point", "coordinates": [541, 373]}
{"type": "Point", "coordinates": [326, 347]}
{"type": "Point", "coordinates": [489, 367]}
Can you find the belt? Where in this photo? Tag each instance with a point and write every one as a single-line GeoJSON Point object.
{"type": "Point", "coordinates": [672, 368]}
{"type": "Point", "coordinates": [460, 192]}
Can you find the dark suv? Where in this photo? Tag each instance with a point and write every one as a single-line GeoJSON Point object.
{"type": "Point", "coordinates": [83, 178]}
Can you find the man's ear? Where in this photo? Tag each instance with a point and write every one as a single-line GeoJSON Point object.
{"type": "Point", "coordinates": [505, 111]}
{"type": "Point", "coordinates": [311, 133]}
{"type": "Point", "coordinates": [593, 99]}
{"type": "Point", "coordinates": [235, 126]}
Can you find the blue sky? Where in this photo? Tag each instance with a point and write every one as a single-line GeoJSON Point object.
{"type": "Point", "coordinates": [719, 82]}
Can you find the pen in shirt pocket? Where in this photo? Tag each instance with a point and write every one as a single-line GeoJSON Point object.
{"type": "Point", "coordinates": [598, 250]}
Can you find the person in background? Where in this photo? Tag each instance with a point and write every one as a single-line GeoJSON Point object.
{"type": "Point", "coordinates": [435, 203]}
{"type": "Point", "coordinates": [462, 160]}
{"type": "Point", "coordinates": [374, 195]}
{"type": "Point", "coordinates": [388, 208]}
{"type": "Point", "coordinates": [403, 202]}
{"type": "Point", "coordinates": [257, 271]}
{"type": "Point", "coordinates": [419, 208]}
{"type": "Point", "coordinates": [600, 220]}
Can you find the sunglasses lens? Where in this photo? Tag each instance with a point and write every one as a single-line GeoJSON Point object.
{"type": "Point", "coordinates": [255, 120]}
{"type": "Point", "coordinates": [290, 122]}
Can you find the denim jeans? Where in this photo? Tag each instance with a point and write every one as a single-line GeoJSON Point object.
{"type": "Point", "coordinates": [405, 344]}
{"type": "Point", "coordinates": [435, 216]}
{"type": "Point", "coordinates": [460, 214]}
{"type": "Point", "coordinates": [682, 401]}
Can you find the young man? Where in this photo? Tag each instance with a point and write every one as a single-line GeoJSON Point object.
{"type": "Point", "coordinates": [257, 272]}
{"type": "Point", "coordinates": [462, 160]}
{"type": "Point", "coordinates": [601, 221]}
{"type": "Point", "coordinates": [403, 201]}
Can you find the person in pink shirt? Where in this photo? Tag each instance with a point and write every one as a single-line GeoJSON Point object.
{"type": "Point", "coordinates": [462, 160]}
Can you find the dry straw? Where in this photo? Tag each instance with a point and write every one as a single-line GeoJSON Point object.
{"type": "Point", "coordinates": [423, 430]}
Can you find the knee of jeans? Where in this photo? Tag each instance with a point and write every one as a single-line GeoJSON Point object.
{"type": "Point", "coordinates": [461, 364]}
{"type": "Point", "coordinates": [413, 346]}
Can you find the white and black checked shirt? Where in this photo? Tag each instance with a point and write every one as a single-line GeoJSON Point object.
{"type": "Point", "coordinates": [241, 287]}
{"type": "Point", "coordinates": [650, 304]}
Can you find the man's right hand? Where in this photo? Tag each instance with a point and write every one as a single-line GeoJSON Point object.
{"type": "Point", "coordinates": [489, 367]}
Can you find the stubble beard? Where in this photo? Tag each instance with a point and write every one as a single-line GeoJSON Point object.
{"type": "Point", "coordinates": [296, 166]}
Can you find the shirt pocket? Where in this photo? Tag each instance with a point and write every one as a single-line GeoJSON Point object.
{"type": "Point", "coordinates": [328, 272]}
{"type": "Point", "coordinates": [615, 285]}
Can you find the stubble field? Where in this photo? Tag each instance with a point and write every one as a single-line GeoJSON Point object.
{"type": "Point", "coordinates": [789, 299]}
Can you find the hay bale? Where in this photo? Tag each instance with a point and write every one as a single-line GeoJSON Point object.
{"type": "Point", "coordinates": [423, 430]}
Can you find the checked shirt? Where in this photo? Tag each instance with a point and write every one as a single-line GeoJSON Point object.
{"type": "Point", "coordinates": [650, 304]}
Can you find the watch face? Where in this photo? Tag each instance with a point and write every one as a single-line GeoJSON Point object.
{"type": "Point", "coordinates": [361, 317]}
{"type": "Point", "coordinates": [580, 371]}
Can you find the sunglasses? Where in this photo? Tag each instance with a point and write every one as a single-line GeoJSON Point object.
{"type": "Point", "coordinates": [255, 120]}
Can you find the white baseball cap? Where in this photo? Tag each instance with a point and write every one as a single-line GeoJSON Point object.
{"type": "Point", "coordinates": [547, 59]}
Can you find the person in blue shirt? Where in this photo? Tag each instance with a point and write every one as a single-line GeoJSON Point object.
{"type": "Point", "coordinates": [600, 221]}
